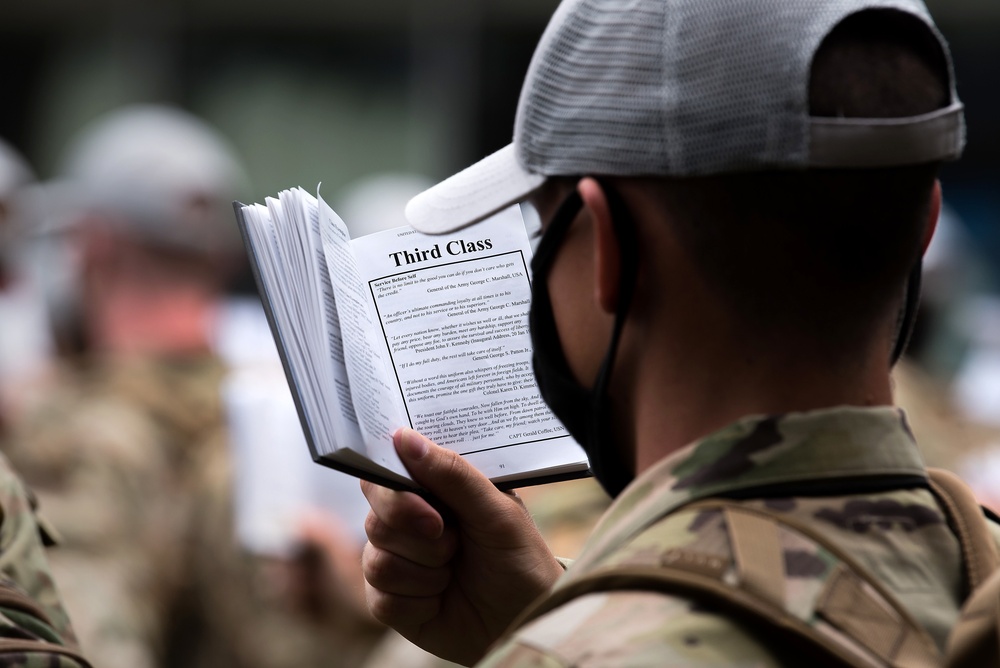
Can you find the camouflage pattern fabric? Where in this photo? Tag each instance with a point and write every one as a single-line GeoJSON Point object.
{"type": "Point", "coordinates": [35, 631]}
{"type": "Point", "coordinates": [130, 460]}
{"type": "Point", "coordinates": [109, 451]}
{"type": "Point", "coordinates": [900, 535]}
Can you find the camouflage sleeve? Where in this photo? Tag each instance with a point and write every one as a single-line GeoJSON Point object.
{"type": "Point", "coordinates": [630, 629]}
{"type": "Point", "coordinates": [34, 627]}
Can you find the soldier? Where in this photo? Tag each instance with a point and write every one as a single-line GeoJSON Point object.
{"type": "Point", "coordinates": [735, 198]}
{"type": "Point", "coordinates": [34, 627]}
{"type": "Point", "coordinates": [134, 410]}
{"type": "Point", "coordinates": [129, 451]}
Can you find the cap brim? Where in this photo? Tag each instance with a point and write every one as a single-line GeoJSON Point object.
{"type": "Point", "coordinates": [887, 142]}
{"type": "Point", "coordinates": [475, 193]}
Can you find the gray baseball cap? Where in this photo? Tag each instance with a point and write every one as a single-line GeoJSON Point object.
{"type": "Point", "coordinates": [683, 88]}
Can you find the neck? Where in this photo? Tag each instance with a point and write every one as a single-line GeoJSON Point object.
{"type": "Point", "coordinates": [688, 389]}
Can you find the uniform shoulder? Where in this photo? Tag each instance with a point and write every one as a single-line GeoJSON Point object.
{"type": "Point", "coordinates": [633, 628]}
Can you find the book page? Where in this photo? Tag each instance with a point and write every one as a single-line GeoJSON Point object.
{"type": "Point", "coordinates": [264, 240]}
{"type": "Point", "coordinates": [452, 311]}
{"type": "Point", "coordinates": [332, 366]}
{"type": "Point", "coordinates": [377, 402]}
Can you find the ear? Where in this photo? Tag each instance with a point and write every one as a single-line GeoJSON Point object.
{"type": "Point", "coordinates": [933, 213]}
{"type": "Point", "coordinates": [607, 259]}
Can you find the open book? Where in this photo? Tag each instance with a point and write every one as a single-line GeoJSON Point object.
{"type": "Point", "coordinates": [402, 329]}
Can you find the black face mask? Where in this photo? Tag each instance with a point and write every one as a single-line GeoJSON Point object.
{"type": "Point", "coordinates": [586, 413]}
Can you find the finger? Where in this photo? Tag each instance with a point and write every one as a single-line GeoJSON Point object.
{"type": "Point", "coordinates": [452, 480]}
{"type": "Point", "coordinates": [403, 613]}
{"type": "Point", "coordinates": [428, 552]}
{"type": "Point", "coordinates": [393, 574]}
{"type": "Point", "coordinates": [403, 511]}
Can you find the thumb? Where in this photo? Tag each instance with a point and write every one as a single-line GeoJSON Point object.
{"type": "Point", "coordinates": [449, 477]}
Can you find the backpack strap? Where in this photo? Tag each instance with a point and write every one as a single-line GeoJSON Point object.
{"type": "Point", "coordinates": [975, 638]}
{"type": "Point", "coordinates": [966, 518]}
{"type": "Point", "coordinates": [27, 637]}
{"type": "Point", "coordinates": [842, 614]}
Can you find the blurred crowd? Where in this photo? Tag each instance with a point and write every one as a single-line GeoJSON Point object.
{"type": "Point", "coordinates": [120, 336]}
{"type": "Point", "coordinates": [142, 401]}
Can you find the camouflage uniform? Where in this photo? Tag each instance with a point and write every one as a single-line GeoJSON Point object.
{"type": "Point", "coordinates": [110, 453]}
{"type": "Point", "coordinates": [797, 464]}
{"type": "Point", "coordinates": [131, 463]}
{"type": "Point", "coordinates": [24, 571]}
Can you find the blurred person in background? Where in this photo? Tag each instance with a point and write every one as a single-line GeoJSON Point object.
{"type": "Point", "coordinates": [33, 622]}
{"type": "Point", "coordinates": [291, 592]}
{"type": "Point", "coordinates": [241, 603]}
{"type": "Point", "coordinates": [142, 253]}
{"type": "Point", "coordinates": [129, 451]}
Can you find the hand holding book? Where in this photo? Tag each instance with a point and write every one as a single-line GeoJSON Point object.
{"type": "Point", "coordinates": [452, 580]}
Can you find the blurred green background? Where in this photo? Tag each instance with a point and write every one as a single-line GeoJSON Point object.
{"type": "Point", "coordinates": [332, 91]}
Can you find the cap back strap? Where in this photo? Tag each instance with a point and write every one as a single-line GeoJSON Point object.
{"type": "Point", "coordinates": [886, 142]}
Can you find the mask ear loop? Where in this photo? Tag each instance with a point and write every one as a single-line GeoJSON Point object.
{"type": "Point", "coordinates": [617, 474]}
{"type": "Point", "coordinates": [552, 237]}
{"type": "Point", "coordinates": [908, 315]}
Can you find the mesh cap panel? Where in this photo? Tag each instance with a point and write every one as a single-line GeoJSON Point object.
{"type": "Point", "coordinates": [683, 88]}
{"type": "Point", "coordinates": [680, 87]}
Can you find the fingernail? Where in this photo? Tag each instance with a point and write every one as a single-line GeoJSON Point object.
{"type": "Point", "coordinates": [413, 445]}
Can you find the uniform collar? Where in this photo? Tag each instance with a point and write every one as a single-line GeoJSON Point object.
{"type": "Point", "coordinates": [843, 442]}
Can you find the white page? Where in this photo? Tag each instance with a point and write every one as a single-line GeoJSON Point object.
{"type": "Point", "coordinates": [264, 239]}
{"type": "Point", "coordinates": [327, 338]}
{"type": "Point", "coordinates": [292, 213]}
{"type": "Point", "coordinates": [459, 303]}
{"type": "Point", "coordinates": [376, 401]}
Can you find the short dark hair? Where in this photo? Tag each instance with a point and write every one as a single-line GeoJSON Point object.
{"type": "Point", "coordinates": [825, 251]}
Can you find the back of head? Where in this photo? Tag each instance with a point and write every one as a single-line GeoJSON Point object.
{"type": "Point", "coordinates": [160, 174]}
{"type": "Point", "coordinates": [786, 138]}
{"type": "Point", "coordinates": [826, 251]}
{"type": "Point", "coordinates": [776, 162]}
